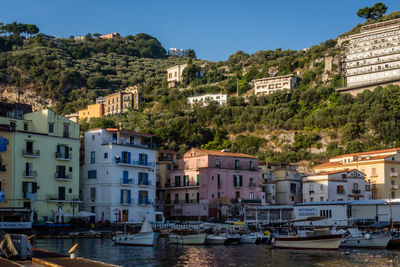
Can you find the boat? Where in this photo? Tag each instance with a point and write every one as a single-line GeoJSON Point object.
{"type": "Point", "coordinates": [358, 239]}
{"type": "Point", "coordinates": [316, 239]}
{"type": "Point", "coordinates": [394, 242]}
{"type": "Point", "coordinates": [144, 238]}
{"type": "Point", "coordinates": [248, 239]}
{"type": "Point", "coordinates": [187, 239]}
{"type": "Point", "coordinates": [215, 239]}
{"type": "Point", "coordinates": [232, 239]}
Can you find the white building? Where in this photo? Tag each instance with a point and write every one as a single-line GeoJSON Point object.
{"type": "Point", "coordinates": [336, 186]}
{"type": "Point", "coordinates": [372, 57]}
{"type": "Point", "coordinates": [346, 213]}
{"type": "Point", "coordinates": [174, 75]}
{"type": "Point", "coordinates": [265, 86]}
{"type": "Point", "coordinates": [118, 177]}
{"type": "Point", "coordinates": [177, 52]}
{"type": "Point", "coordinates": [205, 99]}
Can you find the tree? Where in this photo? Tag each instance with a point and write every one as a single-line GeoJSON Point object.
{"type": "Point", "coordinates": [191, 53]}
{"type": "Point", "coordinates": [373, 12]}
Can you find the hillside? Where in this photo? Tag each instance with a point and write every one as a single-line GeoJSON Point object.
{"type": "Point", "coordinates": [307, 125]}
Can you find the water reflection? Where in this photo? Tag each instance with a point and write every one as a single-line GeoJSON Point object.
{"type": "Point", "coordinates": [163, 254]}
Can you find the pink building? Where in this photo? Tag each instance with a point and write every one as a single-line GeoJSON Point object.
{"type": "Point", "coordinates": [213, 184]}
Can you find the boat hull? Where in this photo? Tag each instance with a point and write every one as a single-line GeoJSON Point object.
{"type": "Point", "coordinates": [215, 240]}
{"type": "Point", "coordinates": [314, 242]}
{"type": "Point", "coordinates": [376, 241]}
{"type": "Point", "coordinates": [139, 239]}
{"type": "Point", "coordinates": [198, 239]}
{"type": "Point", "coordinates": [248, 239]}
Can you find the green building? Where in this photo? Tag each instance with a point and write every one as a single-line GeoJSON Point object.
{"type": "Point", "coordinates": [39, 164]}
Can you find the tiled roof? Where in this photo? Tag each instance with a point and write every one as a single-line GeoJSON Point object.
{"type": "Point", "coordinates": [338, 163]}
{"type": "Point", "coordinates": [333, 172]}
{"type": "Point", "coordinates": [217, 153]}
{"type": "Point", "coordinates": [368, 153]}
{"type": "Point", "coordinates": [328, 164]}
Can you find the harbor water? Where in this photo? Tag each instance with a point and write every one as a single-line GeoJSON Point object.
{"type": "Point", "coordinates": [164, 254]}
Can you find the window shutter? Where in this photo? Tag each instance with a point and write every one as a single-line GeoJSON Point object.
{"type": "Point", "coordinates": [145, 159]}
{"type": "Point", "coordinates": [146, 177]}
{"type": "Point", "coordinates": [129, 197]}
{"type": "Point", "coordinates": [125, 178]}
{"type": "Point", "coordinates": [140, 197]}
{"type": "Point", "coordinates": [34, 187]}
{"type": "Point", "coordinates": [139, 177]}
{"type": "Point", "coordinates": [122, 196]}
{"type": "Point", "coordinates": [129, 157]}
{"type": "Point", "coordinates": [240, 180]}
{"type": "Point", "coordinates": [198, 179]}
{"type": "Point", "coordinates": [234, 180]}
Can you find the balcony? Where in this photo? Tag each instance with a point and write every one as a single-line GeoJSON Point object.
{"type": "Point", "coordinates": [179, 186]}
{"type": "Point", "coordinates": [393, 174]}
{"type": "Point", "coordinates": [393, 187]}
{"type": "Point", "coordinates": [340, 192]}
{"type": "Point", "coordinates": [311, 192]}
{"type": "Point", "coordinates": [62, 177]}
{"type": "Point", "coordinates": [356, 191]}
{"type": "Point", "coordinates": [127, 181]}
{"type": "Point", "coordinates": [252, 185]}
{"type": "Point", "coordinates": [30, 174]}
{"type": "Point", "coordinates": [252, 201]}
{"type": "Point", "coordinates": [144, 182]}
{"type": "Point", "coordinates": [135, 163]}
{"type": "Point", "coordinates": [2, 168]}
{"type": "Point", "coordinates": [148, 146]}
{"type": "Point", "coordinates": [31, 153]}
{"type": "Point", "coordinates": [185, 201]}
{"type": "Point", "coordinates": [60, 198]}
{"type": "Point", "coordinates": [63, 156]}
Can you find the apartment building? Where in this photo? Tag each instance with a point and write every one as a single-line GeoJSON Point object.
{"type": "Point", "coordinates": [167, 160]}
{"type": "Point", "coordinates": [348, 184]}
{"type": "Point", "coordinates": [204, 100]}
{"type": "Point", "coordinates": [269, 85]}
{"type": "Point", "coordinates": [371, 57]}
{"type": "Point", "coordinates": [39, 170]}
{"type": "Point", "coordinates": [215, 184]}
{"type": "Point", "coordinates": [176, 52]}
{"type": "Point", "coordinates": [91, 111]}
{"type": "Point", "coordinates": [174, 75]}
{"type": "Point", "coordinates": [114, 35]}
{"type": "Point", "coordinates": [281, 183]}
{"type": "Point", "coordinates": [118, 103]}
{"type": "Point", "coordinates": [381, 169]}
{"type": "Point", "coordinates": [118, 177]}
{"type": "Point", "coordinates": [136, 96]}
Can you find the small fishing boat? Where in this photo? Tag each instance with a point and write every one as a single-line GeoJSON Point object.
{"type": "Point", "coordinates": [215, 239]}
{"type": "Point", "coordinates": [187, 238]}
{"type": "Point", "coordinates": [144, 238]}
{"type": "Point", "coordinates": [358, 239]}
{"type": "Point", "coordinates": [232, 239]}
{"type": "Point", "coordinates": [248, 239]}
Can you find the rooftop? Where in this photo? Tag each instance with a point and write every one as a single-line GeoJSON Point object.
{"type": "Point", "coordinates": [352, 202]}
{"type": "Point", "coordinates": [121, 131]}
{"type": "Point", "coordinates": [368, 153]}
{"type": "Point", "coordinates": [332, 172]}
{"type": "Point", "coordinates": [203, 152]}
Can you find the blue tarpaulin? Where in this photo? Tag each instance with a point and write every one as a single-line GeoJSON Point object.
{"type": "Point", "coordinates": [3, 144]}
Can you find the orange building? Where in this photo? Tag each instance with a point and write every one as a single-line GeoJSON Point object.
{"type": "Point", "coordinates": [114, 35]}
{"type": "Point", "coordinates": [92, 111]}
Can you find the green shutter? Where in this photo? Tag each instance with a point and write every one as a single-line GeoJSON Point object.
{"type": "Point", "coordinates": [198, 179]}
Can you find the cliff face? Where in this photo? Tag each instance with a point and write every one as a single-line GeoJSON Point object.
{"type": "Point", "coordinates": [27, 96]}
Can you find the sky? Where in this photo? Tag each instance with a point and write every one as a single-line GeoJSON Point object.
{"type": "Point", "coordinates": [215, 29]}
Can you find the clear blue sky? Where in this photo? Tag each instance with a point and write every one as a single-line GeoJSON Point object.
{"type": "Point", "coordinates": [213, 28]}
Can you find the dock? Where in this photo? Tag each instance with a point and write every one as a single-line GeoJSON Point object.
{"type": "Point", "coordinates": [53, 259]}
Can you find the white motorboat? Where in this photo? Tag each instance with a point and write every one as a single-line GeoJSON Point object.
{"type": "Point", "coordinates": [215, 239]}
{"type": "Point", "coordinates": [144, 238]}
{"type": "Point", "coordinates": [358, 239]}
{"type": "Point", "coordinates": [317, 239]}
{"type": "Point", "coordinates": [187, 239]}
{"type": "Point", "coordinates": [248, 239]}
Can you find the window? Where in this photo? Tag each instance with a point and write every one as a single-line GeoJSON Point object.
{"type": "Point", "coordinates": [187, 198]}
{"type": "Point", "coordinates": [355, 186]}
{"type": "Point", "coordinates": [251, 196]}
{"type": "Point", "coordinates": [293, 188]}
{"type": "Point", "coordinates": [219, 195]}
{"type": "Point", "coordinates": [92, 157]}
{"type": "Point", "coordinates": [212, 195]}
{"type": "Point", "coordinates": [367, 187]}
{"type": "Point", "coordinates": [70, 190]}
{"type": "Point", "coordinates": [198, 163]}
{"type": "Point", "coordinates": [93, 137]}
{"type": "Point", "coordinates": [169, 167]}
{"type": "Point", "coordinates": [373, 172]}
{"type": "Point", "coordinates": [212, 178]}
{"type": "Point", "coordinates": [126, 196]}
{"type": "Point", "coordinates": [251, 165]}
{"type": "Point", "coordinates": [217, 163]}
{"type": "Point", "coordinates": [311, 199]}
{"type": "Point", "coordinates": [393, 194]}
{"type": "Point", "coordinates": [29, 188]}
{"type": "Point", "coordinates": [251, 184]}
{"type": "Point", "coordinates": [373, 195]}
{"type": "Point", "coordinates": [321, 187]}
{"type": "Point", "coordinates": [51, 128]}
{"type": "Point", "coordinates": [198, 197]}
{"type": "Point", "coordinates": [340, 189]}
{"type": "Point", "coordinates": [92, 174]}
{"type": "Point", "coordinates": [66, 131]}
{"type": "Point", "coordinates": [237, 180]}
{"type": "Point", "coordinates": [237, 164]}
{"type": "Point", "coordinates": [106, 155]}
{"type": "Point", "coordinates": [93, 192]}
{"type": "Point", "coordinates": [25, 127]}
{"type": "Point", "coordinates": [177, 181]}
{"type": "Point", "coordinates": [176, 198]}
{"type": "Point", "coordinates": [219, 179]}
{"type": "Point", "coordinates": [60, 172]}
{"type": "Point", "coordinates": [28, 169]}
{"type": "Point", "coordinates": [198, 179]}
{"type": "Point", "coordinates": [70, 169]}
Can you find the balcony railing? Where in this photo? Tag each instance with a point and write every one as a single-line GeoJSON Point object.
{"type": "Point", "coordinates": [184, 201]}
{"type": "Point", "coordinates": [31, 153]}
{"type": "Point", "coordinates": [30, 174]}
{"type": "Point", "coordinates": [62, 176]}
{"type": "Point", "coordinates": [252, 185]}
{"type": "Point", "coordinates": [252, 201]}
{"type": "Point", "coordinates": [393, 174]}
{"type": "Point", "coordinates": [149, 146]}
{"type": "Point", "coordinates": [181, 186]}
{"type": "Point", "coordinates": [135, 162]}
{"type": "Point", "coordinates": [340, 192]}
{"type": "Point", "coordinates": [62, 198]}
{"type": "Point", "coordinates": [144, 182]}
{"type": "Point", "coordinates": [63, 156]}
{"type": "Point", "coordinates": [356, 191]}
{"type": "Point", "coordinates": [127, 181]}
{"type": "Point", "coordinates": [394, 187]}
{"type": "Point", "coordinates": [2, 168]}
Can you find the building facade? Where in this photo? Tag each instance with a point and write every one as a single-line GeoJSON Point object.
{"type": "Point", "coordinates": [91, 111]}
{"type": "Point", "coordinates": [372, 57]}
{"type": "Point", "coordinates": [176, 52]}
{"type": "Point", "coordinates": [213, 184]}
{"type": "Point", "coordinates": [118, 103]}
{"type": "Point", "coordinates": [281, 183]}
{"type": "Point", "coordinates": [136, 96]}
{"type": "Point", "coordinates": [167, 161]}
{"type": "Point", "coordinates": [40, 163]}
{"type": "Point", "coordinates": [338, 185]}
{"type": "Point", "coordinates": [174, 75]}
{"type": "Point", "coordinates": [381, 168]}
{"type": "Point", "coordinates": [114, 35]}
{"type": "Point", "coordinates": [118, 177]}
{"type": "Point", "coordinates": [265, 86]}
{"type": "Point", "coordinates": [203, 100]}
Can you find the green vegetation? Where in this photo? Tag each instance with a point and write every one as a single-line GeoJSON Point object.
{"type": "Point", "coordinates": [373, 12]}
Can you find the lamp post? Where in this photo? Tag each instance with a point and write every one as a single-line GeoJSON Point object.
{"type": "Point", "coordinates": [73, 204]}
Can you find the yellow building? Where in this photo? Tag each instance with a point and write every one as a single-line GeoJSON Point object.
{"type": "Point", "coordinates": [381, 168]}
{"type": "Point", "coordinates": [40, 161]}
{"type": "Point", "coordinates": [92, 111]}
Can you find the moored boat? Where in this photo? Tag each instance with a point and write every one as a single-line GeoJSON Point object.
{"type": "Point", "coordinates": [358, 239]}
{"type": "Point", "coordinates": [248, 239]}
{"type": "Point", "coordinates": [144, 238]}
{"type": "Point", "coordinates": [187, 239]}
{"type": "Point", "coordinates": [215, 239]}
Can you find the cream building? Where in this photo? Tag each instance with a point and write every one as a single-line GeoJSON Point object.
{"type": "Point", "coordinates": [265, 86]}
{"type": "Point", "coordinates": [205, 99]}
{"type": "Point", "coordinates": [40, 159]}
{"type": "Point", "coordinates": [372, 57]}
{"type": "Point", "coordinates": [381, 168]}
{"type": "Point", "coordinates": [282, 184]}
{"type": "Point", "coordinates": [338, 185]}
{"type": "Point", "coordinates": [174, 75]}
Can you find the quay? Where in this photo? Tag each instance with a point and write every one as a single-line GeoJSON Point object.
{"type": "Point", "coordinates": [53, 259]}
